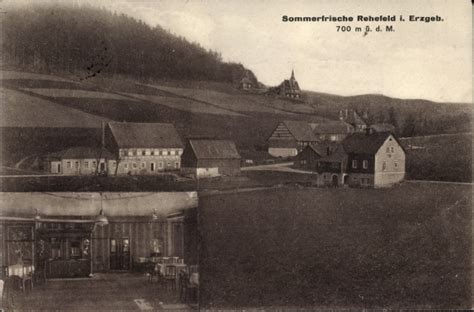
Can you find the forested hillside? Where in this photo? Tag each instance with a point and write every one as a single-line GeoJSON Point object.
{"type": "Point", "coordinates": [87, 41]}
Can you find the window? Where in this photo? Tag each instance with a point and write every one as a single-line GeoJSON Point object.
{"type": "Point", "coordinates": [94, 164]}
{"type": "Point", "coordinates": [143, 165]}
{"type": "Point", "coordinates": [354, 163]}
{"type": "Point", "coordinates": [125, 165]}
{"type": "Point", "coordinates": [388, 149]}
{"type": "Point", "coordinates": [130, 153]}
{"type": "Point", "coordinates": [114, 163]}
{"type": "Point", "coordinates": [172, 152]}
{"type": "Point", "coordinates": [160, 165]}
{"type": "Point", "coordinates": [365, 164]}
{"type": "Point", "coordinates": [168, 163]}
{"type": "Point", "coordinates": [86, 164]}
{"type": "Point", "coordinates": [134, 165]}
{"type": "Point", "coordinates": [395, 164]}
{"type": "Point", "coordinates": [392, 149]}
{"type": "Point", "coordinates": [152, 153]}
{"type": "Point", "coordinates": [176, 165]}
{"type": "Point", "coordinates": [69, 165]}
{"type": "Point", "coordinates": [152, 166]}
{"type": "Point", "coordinates": [76, 164]}
{"type": "Point", "coordinates": [143, 152]}
{"type": "Point", "coordinates": [165, 153]}
{"type": "Point", "coordinates": [303, 162]}
{"type": "Point", "coordinates": [135, 152]}
{"type": "Point", "coordinates": [384, 166]}
{"type": "Point", "coordinates": [122, 153]}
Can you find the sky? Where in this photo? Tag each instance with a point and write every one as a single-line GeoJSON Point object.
{"type": "Point", "coordinates": [418, 60]}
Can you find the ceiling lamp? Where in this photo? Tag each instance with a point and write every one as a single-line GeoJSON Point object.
{"type": "Point", "coordinates": [101, 219]}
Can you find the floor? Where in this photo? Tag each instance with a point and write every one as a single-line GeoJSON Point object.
{"type": "Point", "coordinates": [107, 291]}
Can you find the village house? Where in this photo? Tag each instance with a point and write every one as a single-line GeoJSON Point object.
{"type": "Point", "coordinates": [66, 235]}
{"type": "Point", "coordinates": [361, 160]}
{"type": "Point", "coordinates": [290, 137]}
{"type": "Point", "coordinates": [374, 159]}
{"type": "Point", "coordinates": [288, 88]}
{"type": "Point", "coordinates": [80, 160]}
{"type": "Point", "coordinates": [308, 158]}
{"type": "Point", "coordinates": [210, 158]}
{"type": "Point", "coordinates": [144, 148]}
{"type": "Point", "coordinates": [353, 118]}
{"type": "Point", "coordinates": [332, 168]}
{"type": "Point", "coordinates": [333, 130]}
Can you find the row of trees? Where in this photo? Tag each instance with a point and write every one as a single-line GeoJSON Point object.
{"type": "Point", "coordinates": [90, 41]}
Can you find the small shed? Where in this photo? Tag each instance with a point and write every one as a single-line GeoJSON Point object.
{"type": "Point", "coordinates": [210, 158]}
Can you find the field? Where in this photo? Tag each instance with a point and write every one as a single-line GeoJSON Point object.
{"type": "Point", "coordinates": [405, 247]}
{"type": "Point", "coordinates": [439, 157]}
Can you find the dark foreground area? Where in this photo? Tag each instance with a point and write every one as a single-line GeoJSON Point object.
{"type": "Point", "coordinates": [103, 292]}
{"type": "Point", "coordinates": [405, 247]}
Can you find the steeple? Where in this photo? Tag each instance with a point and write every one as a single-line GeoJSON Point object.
{"type": "Point", "coordinates": [292, 74]}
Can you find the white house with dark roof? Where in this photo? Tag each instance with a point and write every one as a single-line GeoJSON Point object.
{"type": "Point", "coordinates": [144, 148]}
{"type": "Point", "coordinates": [210, 157]}
{"type": "Point", "coordinates": [80, 160]}
{"type": "Point", "coordinates": [374, 159]}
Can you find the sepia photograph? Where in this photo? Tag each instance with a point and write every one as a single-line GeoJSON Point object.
{"type": "Point", "coordinates": [204, 155]}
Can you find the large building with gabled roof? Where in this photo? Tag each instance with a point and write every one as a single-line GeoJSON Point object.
{"type": "Point", "coordinates": [144, 148]}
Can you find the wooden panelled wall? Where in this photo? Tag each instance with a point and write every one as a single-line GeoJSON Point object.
{"type": "Point", "coordinates": [140, 234]}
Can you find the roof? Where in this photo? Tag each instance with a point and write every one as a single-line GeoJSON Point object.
{"type": "Point", "coordinates": [339, 155]}
{"type": "Point", "coordinates": [321, 148]}
{"type": "Point", "coordinates": [145, 135]}
{"type": "Point", "coordinates": [333, 127]}
{"type": "Point", "coordinates": [301, 130]}
{"type": "Point", "coordinates": [214, 149]}
{"type": "Point", "coordinates": [290, 84]}
{"type": "Point", "coordinates": [82, 152]}
{"type": "Point", "coordinates": [383, 127]}
{"type": "Point", "coordinates": [362, 143]}
{"type": "Point", "coordinates": [354, 119]}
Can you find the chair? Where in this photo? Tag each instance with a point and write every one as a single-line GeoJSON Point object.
{"type": "Point", "coordinates": [193, 269]}
{"type": "Point", "coordinates": [153, 271]}
{"type": "Point", "coordinates": [169, 277]}
{"type": "Point", "coordinates": [187, 289]}
{"type": "Point", "coordinates": [27, 276]}
{"type": "Point", "coordinates": [40, 272]}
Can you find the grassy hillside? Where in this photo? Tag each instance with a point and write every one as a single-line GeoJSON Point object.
{"type": "Point", "coordinates": [421, 116]}
{"type": "Point", "coordinates": [439, 157]}
{"type": "Point", "coordinates": [406, 247]}
{"type": "Point", "coordinates": [44, 101]}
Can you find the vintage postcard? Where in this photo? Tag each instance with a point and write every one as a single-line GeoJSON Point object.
{"type": "Point", "coordinates": [235, 155]}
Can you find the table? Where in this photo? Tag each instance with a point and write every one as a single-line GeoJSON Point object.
{"type": "Point", "coordinates": [20, 270]}
{"type": "Point", "coordinates": [161, 267]}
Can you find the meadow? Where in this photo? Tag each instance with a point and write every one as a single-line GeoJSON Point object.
{"type": "Point", "coordinates": [404, 247]}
